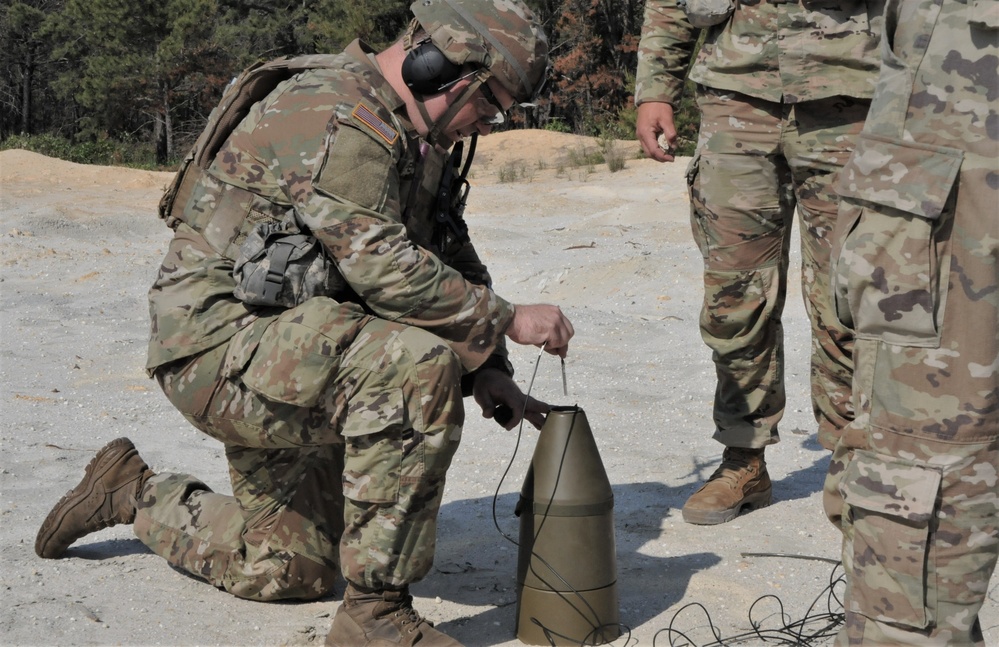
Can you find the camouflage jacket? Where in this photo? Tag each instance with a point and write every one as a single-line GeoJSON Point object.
{"type": "Point", "coordinates": [788, 51]}
{"type": "Point", "coordinates": [330, 147]}
{"type": "Point", "coordinates": [932, 125]}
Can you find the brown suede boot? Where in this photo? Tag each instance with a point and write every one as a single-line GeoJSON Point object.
{"type": "Point", "coordinates": [382, 619]}
{"type": "Point", "coordinates": [106, 496]}
{"type": "Point", "coordinates": [740, 483]}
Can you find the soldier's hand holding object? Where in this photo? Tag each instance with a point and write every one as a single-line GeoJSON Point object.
{"type": "Point", "coordinates": [541, 325]}
{"type": "Point", "coordinates": [664, 144]}
{"type": "Point", "coordinates": [501, 399]}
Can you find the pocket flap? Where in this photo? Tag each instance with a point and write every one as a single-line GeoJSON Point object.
{"type": "Point", "coordinates": [891, 486]}
{"type": "Point", "coordinates": [295, 362]}
{"type": "Point", "coordinates": [242, 346]}
{"type": "Point", "coordinates": [910, 177]}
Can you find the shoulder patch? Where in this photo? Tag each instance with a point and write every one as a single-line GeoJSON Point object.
{"type": "Point", "coordinates": [357, 167]}
{"type": "Point", "coordinates": [365, 116]}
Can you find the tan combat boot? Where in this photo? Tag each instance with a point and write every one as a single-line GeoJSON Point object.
{"type": "Point", "coordinates": [105, 497]}
{"type": "Point", "coordinates": [740, 483]}
{"type": "Point", "coordinates": [382, 619]}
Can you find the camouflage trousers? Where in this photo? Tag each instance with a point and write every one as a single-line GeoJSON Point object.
{"type": "Point", "coordinates": [755, 162]}
{"type": "Point", "coordinates": [338, 429]}
{"type": "Point", "coordinates": [914, 481]}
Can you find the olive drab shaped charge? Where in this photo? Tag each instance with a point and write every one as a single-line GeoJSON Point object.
{"type": "Point", "coordinates": [567, 564]}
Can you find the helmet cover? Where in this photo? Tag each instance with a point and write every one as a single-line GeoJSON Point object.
{"type": "Point", "coordinates": [502, 36]}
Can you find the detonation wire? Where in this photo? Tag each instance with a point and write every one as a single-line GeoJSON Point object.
{"type": "Point", "coordinates": [791, 633]}
{"type": "Point", "coordinates": [595, 630]}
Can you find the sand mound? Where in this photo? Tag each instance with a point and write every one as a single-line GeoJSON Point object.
{"type": "Point", "coordinates": [24, 167]}
{"type": "Point", "coordinates": [533, 148]}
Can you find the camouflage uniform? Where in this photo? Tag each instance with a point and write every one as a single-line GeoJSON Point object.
{"type": "Point", "coordinates": [783, 89]}
{"type": "Point", "coordinates": [365, 383]}
{"type": "Point", "coordinates": [914, 481]}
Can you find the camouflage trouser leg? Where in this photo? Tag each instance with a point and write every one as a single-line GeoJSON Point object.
{"type": "Point", "coordinates": [920, 528]}
{"type": "Point", "coordinates": [914, 481]}
{"type": "Point", "coordinates": [322, 401]}
{"type": "Point", "coordinates": [406, 428]}
{"type": "Point", "coordinates": [756, 160]}
{"type": "Point", "coordinates": [275, 538]}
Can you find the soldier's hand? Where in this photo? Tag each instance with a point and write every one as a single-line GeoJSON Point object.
{"type": "Point", "coordinates": [541, 324]}
{"type": "Point", "coordinates": [654, 128]}
{"type": "Point", "coordinates": [501, 399]}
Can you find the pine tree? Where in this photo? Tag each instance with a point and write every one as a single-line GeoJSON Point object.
{"type": "Point", "coordinates": [135, 66]}
{"type": "Point", "coordinates": [24, 59]}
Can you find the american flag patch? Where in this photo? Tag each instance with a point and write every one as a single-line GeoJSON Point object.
{"type": "Point", "coordinates": [373, 121]}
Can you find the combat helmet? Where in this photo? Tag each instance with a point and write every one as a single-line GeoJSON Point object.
{"type": "Point", "coordinates": [501, 36]}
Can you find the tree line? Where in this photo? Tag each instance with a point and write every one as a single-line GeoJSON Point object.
{"type": "Point", "coordinates": [144, 74]}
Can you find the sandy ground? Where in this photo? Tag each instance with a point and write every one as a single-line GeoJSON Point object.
{"type": "Point", "coordinates": [80, 246]}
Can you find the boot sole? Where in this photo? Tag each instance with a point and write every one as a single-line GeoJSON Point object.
{"type": "Point", "coordinates": [105, 459]}
{"type": "Point", "coordinates": [715, 517]}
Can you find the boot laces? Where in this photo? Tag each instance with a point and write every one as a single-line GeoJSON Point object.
{"type": "Point", "coordinates": [735, 462]}
{"type": "Point", "coordinates": [408, 619]}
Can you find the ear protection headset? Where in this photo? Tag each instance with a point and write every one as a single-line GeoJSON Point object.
{"type": "Point", "coordinates": [426, 70]}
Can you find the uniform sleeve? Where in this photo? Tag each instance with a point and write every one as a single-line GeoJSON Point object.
{"type": "Point", "coordinates": [664, 53]}
{"type": "Point", "coordinates": [466, 261]}
{"type": "Point", "coordinates": [347, 193]}
{"type": "Point", "coordinates": [353, 209]}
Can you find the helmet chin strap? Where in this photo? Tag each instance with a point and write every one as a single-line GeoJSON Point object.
{"type": "Point", "coordinates": [466, 95]}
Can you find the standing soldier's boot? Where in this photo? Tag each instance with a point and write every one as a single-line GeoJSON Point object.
{"type": "Point", "coordinates": [105, 497]}
{"type": "Point", "coordinates": [740, 483]}
{"type": "Point", "coordinates": [382, 619]}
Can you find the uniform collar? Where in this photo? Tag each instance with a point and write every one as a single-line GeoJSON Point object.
{"type": "Point", "coordinates": [364, 54]}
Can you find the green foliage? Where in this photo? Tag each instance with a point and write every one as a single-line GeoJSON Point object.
{"type": "Point", "coordinates": [334, 23]}
{"type": "Point", "coordinates": [106, 152]}
{"type": "Point", "coordinates": [594, 53]}
{"type": "Point", "coordinates": [687, 120]}
{"type": "Point", "coordinates": [134, 66]}
{"type": "Point", "coordinates": [612, 153]}
{"type": "Point", "coordinates": [557, 126]}
{"type": "Point", "coordinates": [582, 156]}
{"type": "Point", "coordinates": [25, 71]}
{"type": "Point", "coordinates": [624, 127]}
{"type": "Point", "coordinates": [515, 170]}
{"type": "Point", "coordinates": [150, 71]}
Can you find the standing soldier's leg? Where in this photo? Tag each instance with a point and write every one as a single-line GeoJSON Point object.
{"type": "Point", "coordinates": [741, 216]}
{"type": "Point", "coordinates": [818, 141]}
{"type": "Point", "coordinates": [913, 481]}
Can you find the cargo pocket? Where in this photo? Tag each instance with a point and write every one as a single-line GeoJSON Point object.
{"type": "Point", "coordinates": [294, 357]}
{"type": "Point", "coordinates": [242, 346]}
{"type": "Point", "coordinates": [376, 445]}
{"type": "Point", "coordinates": [890, 504]}
{"type": "Point", "coordinates": [893, 266]}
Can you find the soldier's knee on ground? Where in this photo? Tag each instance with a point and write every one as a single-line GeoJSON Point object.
{"type": "Point", "coordinates": [300, 578]}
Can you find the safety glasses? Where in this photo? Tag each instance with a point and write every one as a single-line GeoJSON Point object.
{"type": "Point", "coordinates": [489, 108]}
